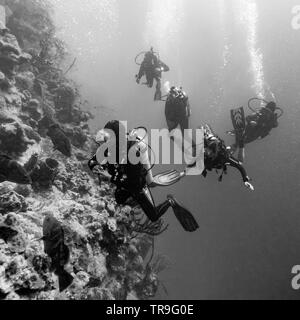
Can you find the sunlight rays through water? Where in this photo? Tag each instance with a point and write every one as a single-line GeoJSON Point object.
{"type": "Point", "coordinates": [163, 28]}
{"type": "Point", "coordinates": [102, 13]}
{"type": "Point", "coordinates": [248, 15]}
{"type": "Point", "coordinates": [218, 91]}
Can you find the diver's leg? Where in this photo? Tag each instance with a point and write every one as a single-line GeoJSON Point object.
{"type": "Point", "coordinates": [158, 83]}
{"type": "Point", "coordinates": [241, 154]}
{"type": "Point", "coordinates": [163, 208]}
{"type": "Point", "coordinates": [191, 150]}
{"type": "Point", "coordinates": [145, 200]}
{"type": "Point", "coordinates": [184, 124]}
{"type": "Point", "coordinates": [158, 89]}
{"type": "Point", "coordinates": [172, 125]}
{"type": "Point", "coordinates": [122, 195]}
{"type": "Point", "coordinates": [150, 79]}
{"type": "Point", "coordinates": [237, 142]}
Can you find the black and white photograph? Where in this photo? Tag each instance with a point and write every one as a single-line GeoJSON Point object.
{"type": "Point", "coordinates": [149, 152]}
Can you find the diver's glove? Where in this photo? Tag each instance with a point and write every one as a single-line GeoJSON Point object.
{"type": "Point", "coordinates": [102, 173]}
{"type": "Point", "coordinates": [249, 185]}
{"type": "Point", "coordinates": [137, 79]}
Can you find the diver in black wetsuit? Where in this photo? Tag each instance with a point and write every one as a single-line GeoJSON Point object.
{"type": "Point", "coordinates": [177, 109]}
{"type": "Point", "coordinates": [258, 126]}
{"type": "Point", "coordinates": [134, 180]}
{"type": "Point", "coordinates": [152, 67]}
{"type": "Point", "coordinates": [217, 156]}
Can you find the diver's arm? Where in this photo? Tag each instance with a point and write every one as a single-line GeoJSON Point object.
{"type": "Point", "coordinates": [93, 163]}
{"type": "Point", "coordinates": [238, 165]}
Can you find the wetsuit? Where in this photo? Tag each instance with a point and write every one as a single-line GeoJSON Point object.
{"type": "Point", "coordinates": [152, 68]}
{"type": "Point", "coordinates": [216, 156]}
{"type": "Point", "coordinates": [131, 181]}
{"type": "Point", "coordinates": [259, 125]}
{"type": "Point", "coordinates": [238, 165]}
{"type": "Point", "coordinates": [177, 111]}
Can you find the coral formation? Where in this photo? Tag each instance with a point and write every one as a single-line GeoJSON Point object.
{"type": "Point", "coordinates": [44, 174]}
{"type": "Point", "coordinates": [60, 141]}
{"type": "Point", "coordinates": [40, 112]}
{"type": "Point", "coordinates": [12, 202]}
{"type": "Point", "coordinates": [13, 139]}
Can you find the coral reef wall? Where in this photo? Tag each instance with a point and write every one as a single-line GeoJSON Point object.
{"type": "Point", "coordinates": [45, 129]}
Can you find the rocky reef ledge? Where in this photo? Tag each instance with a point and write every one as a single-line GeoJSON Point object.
{"type": "Point", "coordinates": [45, 130]}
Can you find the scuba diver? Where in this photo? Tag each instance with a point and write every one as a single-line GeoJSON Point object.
{"type": "Point", "coordinates": [135, 180]}
{"type": "Point", "coordinates": [178, 112]}
{"type": "Point", "coordinates": [152, 67]}
{"type": "Point", "coordinates": [217, 156]}
{"type": "Point", "coordinates": [256, 126]}
{"type": "Point", "coordinates": [177, 109]}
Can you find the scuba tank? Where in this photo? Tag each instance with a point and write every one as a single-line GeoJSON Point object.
{"type": "Point", "coordinates": [128, 175]}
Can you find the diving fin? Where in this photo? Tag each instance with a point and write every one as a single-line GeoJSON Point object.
{"type": "Point", "coordinates": [239, 123]}
{"type": "Point", "coordinates": [184, 217]}
{"type": "Point", "coordinates": [167, 178]}
{"type": "Point", "coordinates": [238, 119]}
{"type": "Point", "coordinates": [64, 279]}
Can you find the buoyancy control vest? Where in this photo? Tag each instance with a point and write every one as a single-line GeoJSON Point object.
{"type": "Point", "coordinates": [128, 175]}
